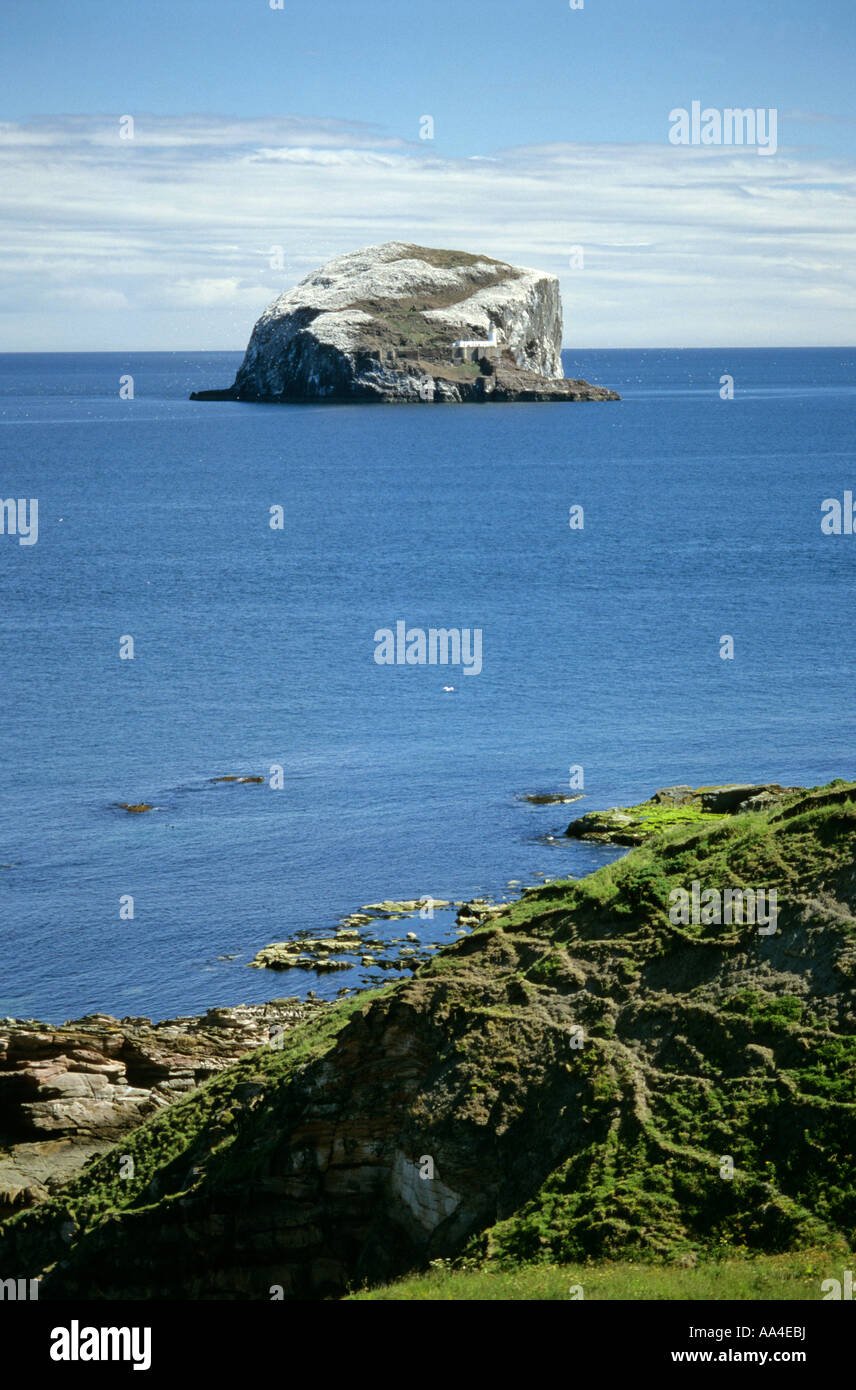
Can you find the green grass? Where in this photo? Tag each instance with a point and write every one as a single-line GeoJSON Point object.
{"type": "Point", "coordinates": [779, 1277]}
{"type": "Point", "coordinates": [732, 851]}
{"type": "Point", "coordinates": [653, 818]}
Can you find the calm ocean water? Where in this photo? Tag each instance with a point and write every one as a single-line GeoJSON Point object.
{"type": "Point", "coordinates": [255, 647]}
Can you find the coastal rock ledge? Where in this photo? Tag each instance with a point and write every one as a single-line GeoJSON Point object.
{"type": "Point", "coordinates": [409, 323]}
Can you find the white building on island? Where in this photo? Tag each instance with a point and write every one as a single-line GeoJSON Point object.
{"type": "Point", "coordinates": [490, 341]}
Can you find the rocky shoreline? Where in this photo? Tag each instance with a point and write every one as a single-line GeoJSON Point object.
{"type": "Point", "coordinates": [559, 1084]}
{"type": "Point", "coordinates": [355, 940]}
{"type": "Point", "coordinates": [69, 1092]}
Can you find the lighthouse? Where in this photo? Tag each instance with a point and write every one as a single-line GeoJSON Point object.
{"type": "Point", "coordinates": [492, 340]}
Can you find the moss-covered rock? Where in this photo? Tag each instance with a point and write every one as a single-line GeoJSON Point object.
{"type": "Point", "coordinates": [632, 825]}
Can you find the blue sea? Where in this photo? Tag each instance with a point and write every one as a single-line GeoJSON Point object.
{"type": "Point", "coordinates": [254, 647]}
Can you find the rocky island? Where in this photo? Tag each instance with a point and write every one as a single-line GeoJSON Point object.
{"type": "Point", "coordinates": [399, 322]}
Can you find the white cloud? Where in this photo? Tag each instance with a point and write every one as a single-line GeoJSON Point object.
{"type": "Point", "coordinates": [207, 293]}
{"type": "Point", "coordinates": [191, 131]}
{"type": "Point", "coordinates": [682, 246]}
{"type": "Point", "coordinates": [81, 297]}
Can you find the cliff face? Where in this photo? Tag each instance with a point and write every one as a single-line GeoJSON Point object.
{"type": "Point", "coordinates": [70, 1092]}
{"type": "Point", "coordinates": [379, 324]}
{"type": "Point", "coordinates": [567, 1081]}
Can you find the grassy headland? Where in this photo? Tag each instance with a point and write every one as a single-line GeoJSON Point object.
{"type": "Point", "coordinates": [578, 1083]}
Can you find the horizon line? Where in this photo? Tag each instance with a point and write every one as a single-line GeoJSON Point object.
{"type": "Point", "coordinates": [650, 347]}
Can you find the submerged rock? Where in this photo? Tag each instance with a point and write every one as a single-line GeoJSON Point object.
{"type": "Point", "coordinates": [357, 919]}
{"type": "Point", "coordinates": [235, 778]}
{"type": "Point", "coordinates": [551, 798]}
{"type": "Point", "coordinates": [399, 322]}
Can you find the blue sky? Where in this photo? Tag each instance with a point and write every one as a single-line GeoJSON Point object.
{"type": "Point", "coordinates": [300, 128]}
